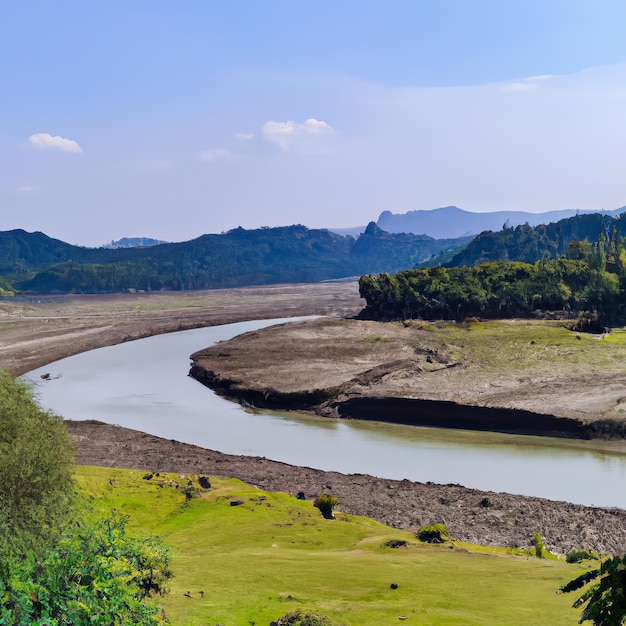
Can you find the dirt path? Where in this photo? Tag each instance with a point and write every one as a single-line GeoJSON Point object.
{"type": "Point", "coordinates": [36, 331]}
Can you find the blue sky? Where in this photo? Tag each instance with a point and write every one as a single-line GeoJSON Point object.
{"type": "Point", "coordinates": [173, 119]}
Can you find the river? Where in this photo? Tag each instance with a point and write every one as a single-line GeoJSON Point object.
{"type": "Point", "coordinates": [144, 385]}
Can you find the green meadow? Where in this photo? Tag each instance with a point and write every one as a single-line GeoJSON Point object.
{"type": "Point", "coordinates": [273, 553]}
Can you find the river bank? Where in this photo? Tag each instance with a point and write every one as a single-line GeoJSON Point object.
{"type": "Point", "coordinates": [36, 333]}
{"type": "Point", "coordinates": [525, 377]}
{"type": "Point", "coordinates": [471, 515]}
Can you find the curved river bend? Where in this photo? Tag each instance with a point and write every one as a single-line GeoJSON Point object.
{"type": "Point", "coordinates": [144, 385]}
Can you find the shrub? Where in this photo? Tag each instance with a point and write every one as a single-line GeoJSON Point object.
{"type": "Point", "coordinates": [298, 618]}
{"type": "Point", "coordinates": [395, 543]}
{"type": "Point", "coordinates": [325, 503]}
{"type": "Point", "coordinates": [576, 556]}
{"type": "Point", "coordinates": [437, 533]}
{"type": "Point", "coordinates": [95, 574]}
{"type": "Point", "coordinates": [538, 545]}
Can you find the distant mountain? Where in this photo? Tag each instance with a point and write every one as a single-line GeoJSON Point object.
{"type": "Point", "coordinates": [133, 242]}
{"type": "Point", "coordinates": [451, 222]}
{"type": "Point", "coordinates": [33, 262]}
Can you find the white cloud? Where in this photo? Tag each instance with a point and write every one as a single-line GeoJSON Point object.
{"type": "Point", "coordinates": [245, 136]}
{"type": "Point", "coordinates": [218, 154]}
{"type": "Point", "coordinates": [44, 141]}
{"type": "Point", "coordinates": [285, 133]}
{"type": "Point", "coordinates": [25, 188]}
{"type": "Point", "coordinates": [527, 84]}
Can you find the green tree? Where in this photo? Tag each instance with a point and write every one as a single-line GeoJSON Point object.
{"type": "Point", "coordinates": [605, 600]}
{"type": "Point", "coordinates": [58, 563]}
{"type": "Point", "coordinates": [36, 472]}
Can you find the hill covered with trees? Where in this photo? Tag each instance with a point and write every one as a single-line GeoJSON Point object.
{"type": "Point", "coordinates": [589, 281]}
{"type": "Point", "coordinates": [529, 244]}
{"type": "Point", "coordinates": [35, 263]}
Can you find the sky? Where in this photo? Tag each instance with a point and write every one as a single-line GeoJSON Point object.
{"type": "Point", "coordinates": [169, 120]}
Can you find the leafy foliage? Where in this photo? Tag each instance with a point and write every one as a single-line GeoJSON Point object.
{"type": "Point", "coordinates": [54, 570]}
{"type": "Point", "coordinates": [605, 601]}
{"type": "Point", "coordinates": [36, 472]}
{"type": "Point", "coordinates": [95, 574]}
{"type": "Point", "coordinates": [301, 618]}
{"type": "Point", "coordinates": [576, 556]}
{"type": "Point", "coordinates": [325, 502]}
{"type": "Point", "coordinates": [527, 244]}
{"type": "Point", "coordinates": [436, 533]}
{"type": "Point", "coordinates": [539, 548]}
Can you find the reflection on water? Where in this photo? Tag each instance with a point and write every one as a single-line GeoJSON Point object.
{"type": "Point", "coordinates": [144, 385]}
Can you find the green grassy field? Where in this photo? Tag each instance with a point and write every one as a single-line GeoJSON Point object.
{"type": "Point", "coordinates": [274, 554]}
{"type": "Point", "coordinates": [521, 345]}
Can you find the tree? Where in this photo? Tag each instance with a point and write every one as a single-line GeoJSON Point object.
{"type": "Point", "coordinates": [605, 600]}
{"type": "Point", "coordinates": [36, 472]}
{"type": "Point", "coordinates": [58, 563]}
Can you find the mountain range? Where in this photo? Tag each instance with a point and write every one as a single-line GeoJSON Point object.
{"type": "Point", "coordinates": [451, 222]}
{"type": "Point", "coordinates": [36, 263]}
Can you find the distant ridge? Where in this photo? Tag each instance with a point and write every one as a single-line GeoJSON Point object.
{"type": "Point", "coordinates": [35, 263]}
{"type": "Point", "coordinates": [133, 242]}
{"type": "Point", "coordinates": [451, 222]}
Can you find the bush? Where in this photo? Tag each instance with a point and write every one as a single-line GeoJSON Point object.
{"type": "Point", "coordinates": [298, 618]}
{"type": "Point", "coordinates": [325, 503]}
{"type": "Point", "coordinates": [58, 563]}
{"type": "Point", "coordinates": [437, 533]}
{"type": "Point", "coordinates": [538, 545]}
{"type": "Point", "coordinates": [576, 556]}
{"type": "Point", "coordinates": [94, 575]}
{"type": "Point", "coordinates": [395, 543]}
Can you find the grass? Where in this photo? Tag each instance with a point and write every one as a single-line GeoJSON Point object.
{"type": "Point", "coordinates": [521, 345]}
{"type": "Point", "coordinates": [273, 554]}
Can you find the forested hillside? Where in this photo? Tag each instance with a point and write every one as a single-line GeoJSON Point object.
{"type": "Point", "coordinates": [529, 244]}
{"type": "Point", "coordinates": [588, 282]}
{"type": "Point", "coordinates": [35, 263]}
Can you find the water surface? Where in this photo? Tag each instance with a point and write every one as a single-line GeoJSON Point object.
{"type": "Point", "coordinates": [144, 385]}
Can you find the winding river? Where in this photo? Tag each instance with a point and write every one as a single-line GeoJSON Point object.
{"type": "Point", "coordinates": [144, 385]}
